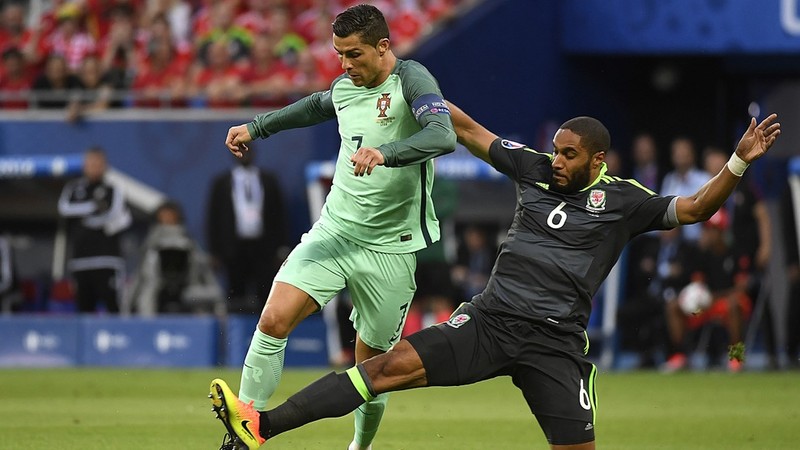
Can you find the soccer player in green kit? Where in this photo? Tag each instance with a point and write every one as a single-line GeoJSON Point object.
{"type": "Point", "coordinates": [392, 121]}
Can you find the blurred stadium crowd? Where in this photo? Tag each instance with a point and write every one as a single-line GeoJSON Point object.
{"type": "Point", "coordinates": [89, 55]}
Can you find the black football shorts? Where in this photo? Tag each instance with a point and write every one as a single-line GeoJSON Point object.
{"type": "Point", "coordinates": [548, 366]}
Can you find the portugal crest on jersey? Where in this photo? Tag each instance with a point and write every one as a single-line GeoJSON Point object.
{"type": "Point", "coordinates": [384, 103]}
{"type": "Point", "coordinates": [596, 200]}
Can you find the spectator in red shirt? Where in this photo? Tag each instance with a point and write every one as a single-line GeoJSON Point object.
{"type": "Point", "coordinates": [305, 21]}
{"type": "Point", "coordinates": [306, 78]}
{"type": "Point", "coordinates": [162, 76]}
{"type": "Point", "coordinates": [325, 56]}
{"type": "Point", "coordinates": [15, 80]}
{"type": "Point", "coordinates": [219, 82]}
{"type": "Point", "coordinates": [289, 43]}
{"type": "Point", "coordinates": [257, 17]}
{"type": "Point", "coordinates": [407, 24]}
{"type": "Point", "coordinates": [223, 29]}
{"type": "Point", "coordinates": [266, 76]}
{"type": "Point", "coordinates": [438, 10]}
{"type": "Point", "coordinates": [160, 29]}
{"type": "Point", "coordinates": [68, 40]}
{"type": "Point", "coordinates": [48, 22]}
{"type": "Point", "coordinates": [178, 13]}
{"type": "Point", "coordinates": [99, 14]}
{"type": "Point", "coordinates": [118, 48]}
{"type": "Point", "coordinates": [201, 19]}
{"type": "Point", "coordinates": [13, 32]}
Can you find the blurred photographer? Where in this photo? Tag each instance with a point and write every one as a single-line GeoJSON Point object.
{"type": "Point", "coordinates": [174, 274]}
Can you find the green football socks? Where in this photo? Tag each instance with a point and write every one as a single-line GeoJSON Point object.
{"type": "Point", "coordinates": [262, 369]}
{"type": "Point", "coordinates": [368, 418]}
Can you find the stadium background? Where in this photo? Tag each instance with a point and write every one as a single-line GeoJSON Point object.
{"type": "Point", "coordinates": [519, 67]}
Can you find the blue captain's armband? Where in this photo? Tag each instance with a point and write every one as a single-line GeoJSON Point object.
{"type": "Point", "coordinates": [429, 103]}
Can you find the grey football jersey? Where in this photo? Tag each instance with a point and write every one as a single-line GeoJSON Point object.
{"type": "Point", "coordinates": [561, 247]}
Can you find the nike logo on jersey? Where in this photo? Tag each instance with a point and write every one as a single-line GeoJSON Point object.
{"type": "Point", "coordinates": [343, 107]}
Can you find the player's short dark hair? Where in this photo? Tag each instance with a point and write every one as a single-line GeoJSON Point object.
{"type": "Point", "coordinates": [594, 135]}
{"type": "Point", "coordinates": [366, 21]}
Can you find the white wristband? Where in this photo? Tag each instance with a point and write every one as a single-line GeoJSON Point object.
{"type": "Point", "coordinates": [736, 165]}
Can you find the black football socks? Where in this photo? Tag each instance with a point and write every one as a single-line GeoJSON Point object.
{"type": "Point", "coordinates": [333, 395]}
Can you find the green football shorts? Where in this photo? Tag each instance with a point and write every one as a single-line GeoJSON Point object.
{"type": "Point", "coordinates": [381, 285]}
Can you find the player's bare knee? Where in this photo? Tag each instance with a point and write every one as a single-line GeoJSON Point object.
{"type": "Point", "coordinates": [273, 324]}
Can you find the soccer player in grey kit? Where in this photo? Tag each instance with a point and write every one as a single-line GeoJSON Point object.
{"type": "Point", "coordinates": [572, 221]}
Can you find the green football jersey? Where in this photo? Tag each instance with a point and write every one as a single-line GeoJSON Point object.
{"type": "Point", "coordinates": [405, 117]}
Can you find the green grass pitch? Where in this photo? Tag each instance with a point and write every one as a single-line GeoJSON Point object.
{"type": "Point", "coordinates": [168, 409]}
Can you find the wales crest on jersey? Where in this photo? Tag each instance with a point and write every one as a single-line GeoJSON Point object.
{"type": "Point", "coordinates": [596, 201]}
{"type": "Point", "coordinates": [458, 320]}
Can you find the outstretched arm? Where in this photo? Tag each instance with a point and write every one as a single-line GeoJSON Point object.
{"type": "Point", "coordinates": [310, 110]}
{"type": "Point", "coordinates": [471, 134]}
{"type": "Point", "coordinates": [754, 143]}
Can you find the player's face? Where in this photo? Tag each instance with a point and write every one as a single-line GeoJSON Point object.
{"type": "Point", "coordinates": [361, 61]}
{"type": "Point", "coordinates": [573, 167]}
